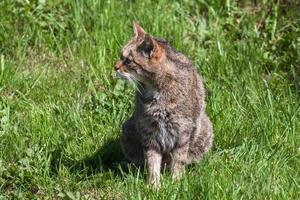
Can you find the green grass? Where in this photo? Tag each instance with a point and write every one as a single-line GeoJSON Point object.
{"type": "Point", "coordinates": [61, 106]}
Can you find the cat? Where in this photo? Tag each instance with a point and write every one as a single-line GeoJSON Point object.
{"type": "Point", "coordinates": [169, 126]}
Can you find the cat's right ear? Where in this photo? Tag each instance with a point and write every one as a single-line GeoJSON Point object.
{"type": "Point", "coordinates": [138, 30]}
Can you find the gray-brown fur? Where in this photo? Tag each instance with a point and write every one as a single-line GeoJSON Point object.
{"type": "Point", "coordinates": [169, 125]}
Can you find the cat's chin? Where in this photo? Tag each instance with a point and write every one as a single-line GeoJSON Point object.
{"type": "Point", "coordinates": [123, 76]}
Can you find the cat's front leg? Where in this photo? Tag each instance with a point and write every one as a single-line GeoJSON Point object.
{"type": "Point", "coordinates": [179, 157]}
{"type": "Point", "coordinates": [153, 163]}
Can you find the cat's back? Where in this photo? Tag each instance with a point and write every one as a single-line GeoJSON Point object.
{"type": "Point", "coordinates": [188, 82]}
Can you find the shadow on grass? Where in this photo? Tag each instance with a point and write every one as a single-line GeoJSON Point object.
{"type": "Point", "coordinates": [108, 158]}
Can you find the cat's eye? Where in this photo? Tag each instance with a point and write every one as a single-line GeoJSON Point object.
{"type": "Point", "coordinates": [126, 61]}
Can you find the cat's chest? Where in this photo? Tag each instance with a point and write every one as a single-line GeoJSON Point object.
{"type": "Point", "coordinates": [156, 127]}
{"type": "Point", "coordinates": [165, 137]}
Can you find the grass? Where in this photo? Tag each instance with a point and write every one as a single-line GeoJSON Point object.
{"type": "Point", "coordinates": [61, 106]}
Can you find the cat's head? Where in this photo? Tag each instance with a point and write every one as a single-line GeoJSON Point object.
{"type": "Point", "coordinates": [141, 58]}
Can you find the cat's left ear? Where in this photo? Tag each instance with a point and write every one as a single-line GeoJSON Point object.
{"type": "Point", "coordinates": [152, 47]}
{"type": "Point", "coordinates": [138, 30]}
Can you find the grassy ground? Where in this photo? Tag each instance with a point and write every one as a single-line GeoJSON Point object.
{"type": "Point", "coordinates": [61, 106]}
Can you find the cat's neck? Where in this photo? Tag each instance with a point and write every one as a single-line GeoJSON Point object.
{"type": "Point", "coordinates": [147, 92]}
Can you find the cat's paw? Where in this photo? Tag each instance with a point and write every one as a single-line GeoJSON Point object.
{"type": "Point", "coordinates": [177, 174]}
{"type": "Point", "coordinates": [154, 184]}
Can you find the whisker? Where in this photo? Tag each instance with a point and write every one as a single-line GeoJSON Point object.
{"type": "Point", "coordinates": [139, 84]}
{"type": "Point", "coordinates": [136, 84]}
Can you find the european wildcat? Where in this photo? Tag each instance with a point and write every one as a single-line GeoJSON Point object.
{"type": "Point", "coordinates": [169, 125]}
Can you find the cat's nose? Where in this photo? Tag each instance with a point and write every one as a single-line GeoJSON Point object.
{"type": "Point", "coordinates": [118, 65]}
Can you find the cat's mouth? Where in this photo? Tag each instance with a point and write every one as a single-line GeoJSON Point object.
{"type": "Point", "coordinates": [123, 75]}
{"type": "Point", "coordinates": [130, 77]}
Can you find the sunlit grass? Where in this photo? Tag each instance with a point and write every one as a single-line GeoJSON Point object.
{"type": "Point", "coordinates": [61, 106]}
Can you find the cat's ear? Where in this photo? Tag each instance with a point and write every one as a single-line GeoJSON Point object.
{"type": "Point", "coordinates": [138, 30]}
{"type": "Point", "coordinates": [152, 47]}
